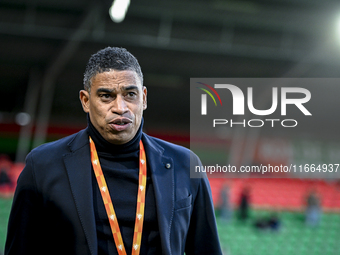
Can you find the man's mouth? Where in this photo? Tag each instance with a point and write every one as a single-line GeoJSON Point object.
{"type": "Point", "coordinates": [120, 124]}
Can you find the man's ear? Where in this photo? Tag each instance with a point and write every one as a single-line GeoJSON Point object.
{"type": "Point", "coordinates": [84, 97]}
{"type": "Point", "coordinates": [145, 92]}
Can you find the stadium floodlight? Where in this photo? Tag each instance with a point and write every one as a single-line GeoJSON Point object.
{"type": "Point", "coordinates": [23, 118]}
{"type": "Point", "coordinates": [338, 28]}
{"type": "Point", "coordinates": [118, 10]}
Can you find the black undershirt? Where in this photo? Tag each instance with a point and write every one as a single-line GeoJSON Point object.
{"type": "Point", "coordinates": [120, 167]}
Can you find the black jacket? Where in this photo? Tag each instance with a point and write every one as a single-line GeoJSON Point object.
{"type": "Point", "coordinates": [52, 211]}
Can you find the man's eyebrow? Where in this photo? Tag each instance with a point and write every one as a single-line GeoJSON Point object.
{"type": "Point", "coordinates": [131, 87]}
{"type": "Point", "coordinates": [106, 90]}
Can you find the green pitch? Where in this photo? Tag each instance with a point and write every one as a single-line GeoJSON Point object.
{"type": "Point", "coordinates": [293, 237]}
{"type": "Point", "coordinates": [5, 207]}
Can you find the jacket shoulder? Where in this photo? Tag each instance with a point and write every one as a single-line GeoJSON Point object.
{"type": "Point", "coordinates": [171, 148]}
{"type": "Point", "coordinates": [168, 147]}
{"type": "Point", "coordinates": [59, 147]}
{"type": "Point", "coordinates": [183, 156]}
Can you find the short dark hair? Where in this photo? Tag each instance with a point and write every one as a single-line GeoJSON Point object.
{"type": "Point", "coordinates": [107, 59]}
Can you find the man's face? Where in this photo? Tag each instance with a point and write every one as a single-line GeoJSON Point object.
{"type": "Point", "coordinates": [115, 104]}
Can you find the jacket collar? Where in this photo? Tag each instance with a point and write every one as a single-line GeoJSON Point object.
{"type": "Point", "coordinates": [80, 139]}
{"type": "Point", "coordinates": [78, 166]}
{"type": "Point", "coordinates": [162, 174]}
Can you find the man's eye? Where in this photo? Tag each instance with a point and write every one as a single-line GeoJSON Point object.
{"type": "Point", "coordinates": [132, 94]}
{"type": "Point", "coordinates": [105, 96]}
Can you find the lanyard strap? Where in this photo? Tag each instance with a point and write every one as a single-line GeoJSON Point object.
{"type": "Point", "coordinates": [137, 236]}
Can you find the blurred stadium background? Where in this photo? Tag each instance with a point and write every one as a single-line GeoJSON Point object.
{"type": "Point", "coordinates": [45, 45]}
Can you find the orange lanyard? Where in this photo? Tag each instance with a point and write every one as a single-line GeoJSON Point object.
{"type": "Point", "coordinates": [137, 236]}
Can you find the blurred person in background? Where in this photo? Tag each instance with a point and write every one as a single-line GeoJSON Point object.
{"type": "Point", "coordinates": [244, 204]}
{"type": "Point", "coordinates": [5, 167]}
{"type": "Point", "coordinates": [272, 222]}
{"type": "Point", "coordinates": [313, 209]}
{"type": "Point", "coordinates": [112, 189]}
{"type": "Point", "coordinates": [226, 211]}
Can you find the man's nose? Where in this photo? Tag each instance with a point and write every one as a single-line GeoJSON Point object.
{"type": "Point", "coordinates": [119, 105]}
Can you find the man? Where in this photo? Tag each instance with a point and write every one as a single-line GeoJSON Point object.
{"type": "Point", "coordinates": [62, 204]}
